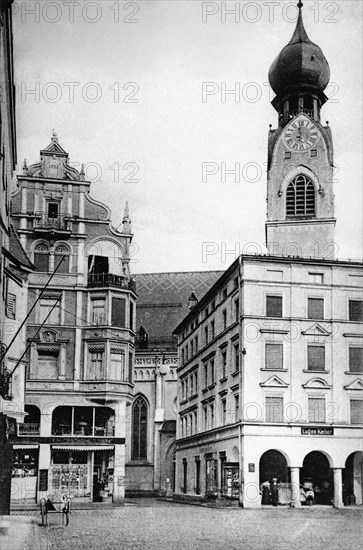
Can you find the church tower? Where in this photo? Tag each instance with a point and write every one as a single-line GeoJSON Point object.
{"type": "Point", "coordinates": [300, 199]}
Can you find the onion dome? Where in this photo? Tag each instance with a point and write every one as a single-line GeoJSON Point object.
{"type": "Point", "coordinates": [300, 63]}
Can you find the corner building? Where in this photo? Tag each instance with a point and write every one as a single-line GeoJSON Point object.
{"type": "Point", "coordinates": [270, 376]}
{"type": "Point", "coordinates": [80, 328]}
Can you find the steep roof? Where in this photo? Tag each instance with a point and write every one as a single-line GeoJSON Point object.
{"type": "Point", "coordinates": [163, 301]}
{"type": "Point", "coordinates": [17, 251]}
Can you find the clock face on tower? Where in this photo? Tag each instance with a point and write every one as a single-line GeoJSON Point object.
{"type": "Point", "coordinates": [301, 134]}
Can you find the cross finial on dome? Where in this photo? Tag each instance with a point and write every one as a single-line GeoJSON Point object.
{"type": "Point", "coordinates": [54, 136]}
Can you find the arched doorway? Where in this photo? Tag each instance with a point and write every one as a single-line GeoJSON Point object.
{"type": "Point", "coordinates": [352, 479]}
{"type": "Point", "coordinates": [316, 469]}
{"type": "Point", "coordinates": [273, 464]}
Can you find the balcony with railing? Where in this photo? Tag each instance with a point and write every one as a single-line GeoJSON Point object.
{"type": "Point", "coordinates": [30, 428]}
{"type": "Point", "coordinates": [44, 222]}
{"type": "Point", "coordinates": [109, 279]}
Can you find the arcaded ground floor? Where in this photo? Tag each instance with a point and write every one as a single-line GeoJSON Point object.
{"type": "Point", "coordinates": [156, 525]}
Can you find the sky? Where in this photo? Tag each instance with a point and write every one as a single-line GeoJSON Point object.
{"type": "Point", "coordinates": [136, 90]}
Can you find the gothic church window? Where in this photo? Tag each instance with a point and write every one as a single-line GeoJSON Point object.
{"type": "Point", "coordinates": [300, 197]}
{"type": "Point", "coordinates": [139, 428]}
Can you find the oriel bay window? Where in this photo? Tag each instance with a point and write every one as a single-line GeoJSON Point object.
{"type": "Point", "coordinates": [117, 365]}
{"type": "Point", "coordinates": [95, 367]}
{"type": "Point", "coordinates": [98, 310]}
{"type": "Point", "coordinates": [118, 312]}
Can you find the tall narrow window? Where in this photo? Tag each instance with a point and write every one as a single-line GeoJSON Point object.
{"type": "Point", "coordinates": [274, 356]}
{"type": "Point", "coordinates": [274, 409]}
{"type": "Point", "coordinates": [117, 366]}
{"type": "Point", "coordinates": [316, 358]}
{"type": "Point", "coordinates": [49, 310]}
{"type": "Point", "coordinates": [356, 411]}
{"type": "Point", "coordinates": [316, 308]}
{"type": "Point", "coordinates": [41, 257]}
{"type": "Point", "coordinates": [356, 360]}
{"type": "Point", "coordinates": [139, 429]}
{"type": "Point", "coordinates": [94, 369]}
{"type": "Point", "coordinates": [48, 364]}
{"type": "Point", "coordinates": [131, 316]}
{"type": "Point", "coordinates": [316, 409]}
{"type": "Point", "coordinates": [118, 312]}
{"type": "Point", "coordinates": [98, 311]}
{"type": "Point", "coordinates": [212, 372]}
{"type": "Point", "coordinates": [224, 363]}
{"type": "Point", "coordinates": [300, 197]}
{"type": "Point", "coordinates": [355, 310]}
{"type": "Point", "coordinates": [61, 258]}
{"type": "Point", "coordinates": [274, 306]}
{"type": "Point", "coordinates": [236, 357]}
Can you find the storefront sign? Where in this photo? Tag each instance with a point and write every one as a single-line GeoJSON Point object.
{"type": "Point", "coordinates": [251, 467]}
{"type": "Point", "coordinates": [43, 480]}
{"type": "Point", "coordinates": [324, 430]}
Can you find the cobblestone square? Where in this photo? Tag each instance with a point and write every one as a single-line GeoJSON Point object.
{"type": "Point", "coordinates": [154, 525]}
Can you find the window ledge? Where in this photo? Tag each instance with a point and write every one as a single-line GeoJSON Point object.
{"type": "Point", "coordinates": [183, 402]}
{"type": "Point", "coordinates": [273, 370]}
{"type": "Point", "coordinates": [204, 390]}
{"type": "Point", "coordinates": [224, 379]}
{"type": "Point", "coordinates": [211, 386]}
{"type": "Point", "coordinates": [354, 372]}
{"type": "Point", "coordinates": [314, 371]}
{"type": "Point", "coordinates": [235, 373]}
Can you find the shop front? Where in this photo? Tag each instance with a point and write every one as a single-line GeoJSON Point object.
{"type": "Point", "coordinates": [24, 473]}
{"type": "Point", "coordinates": [84, 473]}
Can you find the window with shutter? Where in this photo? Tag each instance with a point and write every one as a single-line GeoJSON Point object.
{"type": "Point", "coordinates": [11, 306]}
{"type": "Point", "coordinates": [274, 306]}
{"type": "Point", "coordinates": [316, 358]}
{"type": "Point", "coordinates": [355, 310]}
{"type": "Point", "coordinates": [274, 356]}
{"type": "Point", "coordinates": [118, 312]}
{"type": "Point", "coordinates": [356, 411]}
{"type": "Point", "coordinates": [274, 409]}
{"type": "Point", "coordinates": [315, 308]}
{"type": "Point", "coordinates": [131, 318]}
{"type": "Point", "coordinates": [316, 409]}
{"type": "Point", "coordinates": [356, 359]}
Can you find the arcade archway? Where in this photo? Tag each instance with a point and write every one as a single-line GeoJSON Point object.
{"type": "Point", "coordinates": [273, 464]}
{"type": "Point", "coordinates": [352, 479]}
{"type": "Point", "coordinates": [316, 469]}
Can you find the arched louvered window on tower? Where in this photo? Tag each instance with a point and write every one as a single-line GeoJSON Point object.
{"type": "Point", "coordinates": [61, 258]}
{"type": "Point", "coordinates": [300, 197]}
{"type": "Point", "coordinates": [139, 429]}
{"type": "Point", "coordinates": [41, 257]}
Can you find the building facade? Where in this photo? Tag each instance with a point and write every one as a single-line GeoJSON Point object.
{"type": "Point", "coordinates": [80, 330]}
{"type": "Point", "coordinates": [163, 301]}
{"type": "Point", "coordinates": [14, 270]}
{"type": "Point", "coordinates": [270, 380]}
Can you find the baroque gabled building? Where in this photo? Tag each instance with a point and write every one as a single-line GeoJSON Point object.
{"type": "Point", "coordinates": [275, 387]}
{"type": "Point", "coordinates": [80, 328]}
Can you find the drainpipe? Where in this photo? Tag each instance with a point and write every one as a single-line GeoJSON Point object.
{"type": "Point", "coordinates": [241, 385]}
